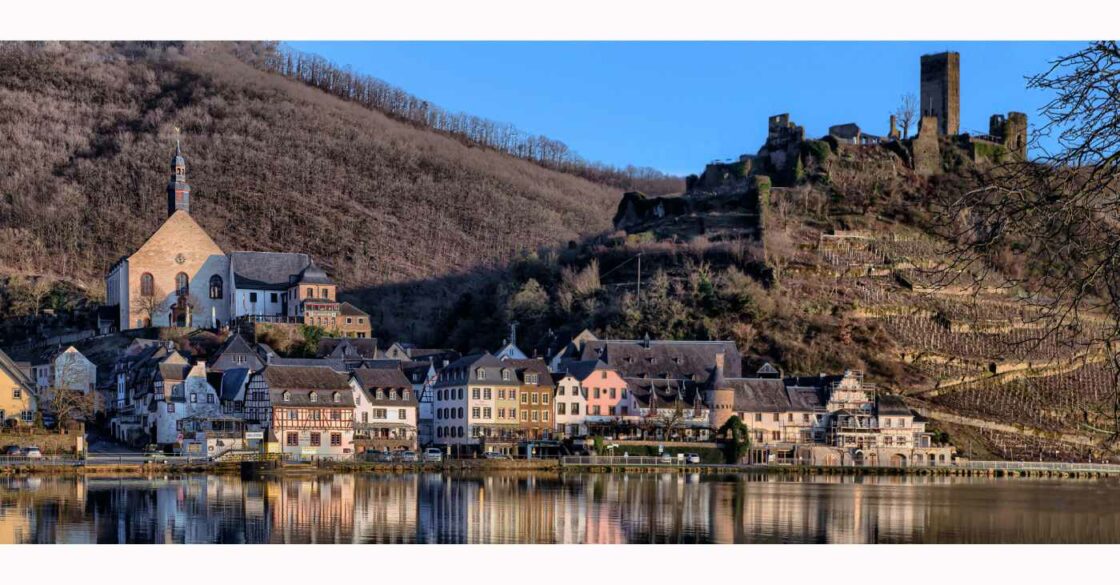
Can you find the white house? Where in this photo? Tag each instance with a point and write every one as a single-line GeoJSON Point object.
{"type": "Point", "coordinates": [180, 391]}
{"type": "Point", "coordinates": [570, 405]}
{"type": "Point", "coordinates": [384, 408]}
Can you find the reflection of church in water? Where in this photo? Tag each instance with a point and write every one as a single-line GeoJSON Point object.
{"type": "Point", "coordinates": [181, 277]}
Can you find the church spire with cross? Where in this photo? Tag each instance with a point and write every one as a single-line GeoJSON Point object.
{"type": "Point", "coordinates": [178, 191]}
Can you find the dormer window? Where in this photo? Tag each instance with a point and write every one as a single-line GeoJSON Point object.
{"type": "Point", "coordinates": [404, 394]}
{"type": "Point", "coordinates": [313, 397]}
{"type": "Point", "coordinates": [481, 374]}
{"type": "Point", "coordinates": [337, 397]}
{"type": "Point", "coordinates": [505, 375]}
{"type": "Point", "coordinates": [287, 396]}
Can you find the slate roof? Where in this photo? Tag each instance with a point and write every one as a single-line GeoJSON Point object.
{"type": "Point", "coordinates": [336, 365]}
{"type": "Point", "coordinates": [891, 405]}
{"type": "Point", "coordinates": [300, 382]}
{"type": "Point", "coordinates": [266, 270]}
{"type": "Point", "coordinates": [582, 369]}
{"type": "Point", "coordinates": [174, 372]}
{"type": "Point", "coordinates": [347, 347]}
{"type": "Point", "coordinates": [312, 274]}
{"type": "Point", "coordinates": [491, 366]}
{"type": "Point", "coordinates": [351, 310]}
{"type": "Point", "coordinates": [667, 392]}
{"type": "Point", "coordinates": [233, 382]}
{"type": "Point", "coordinates": [772, 395]}
{"type": "Point", "coordinates": [372, 379]}
{"type": "Point", "coordinates": [236, 345]}
{"type": "Point", "coordinates": [692, 360]}
{"type": "Point", "coordinates": [533, 366]}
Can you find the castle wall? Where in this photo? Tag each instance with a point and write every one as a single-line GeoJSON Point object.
{"type": "Point", "coordinates": [940, 91]}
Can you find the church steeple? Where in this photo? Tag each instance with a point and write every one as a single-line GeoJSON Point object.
{"type": "Point", "coordinates": [178, 191]}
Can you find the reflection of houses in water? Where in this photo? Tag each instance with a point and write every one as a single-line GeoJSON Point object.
{"type": "Point", "coordinates": [385, 509]}
{"type": "Point", "coordinates": [442, 509]}
{"type": "Point", "coordinates": [827, 509]}
{"type": "Point", "coordinates": [312, 510]}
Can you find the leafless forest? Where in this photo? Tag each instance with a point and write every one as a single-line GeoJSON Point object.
{"type": "Point", "coordinates": [274, 164]}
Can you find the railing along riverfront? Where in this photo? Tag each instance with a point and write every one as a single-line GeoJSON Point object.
{"type": "Point", "coordinates": [1045, 466]}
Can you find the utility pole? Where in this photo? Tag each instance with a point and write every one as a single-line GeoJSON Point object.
{"type": "Point", "coordinates": [639, 280]}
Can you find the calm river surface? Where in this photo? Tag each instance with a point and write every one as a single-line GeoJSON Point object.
{"type": "Point", "coordinates": [646, 508]}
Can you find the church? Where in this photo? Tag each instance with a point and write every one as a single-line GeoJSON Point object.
{"type": "Point", "coordinates": [180, 277]}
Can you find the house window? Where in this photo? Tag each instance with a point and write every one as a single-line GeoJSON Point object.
{"type": "Point", "coordinates": [505, 375]}
{"type": "Point", "coordinates": [575, 408]}
{"type": "Point", "coordinates": [349, 320]}
{"type": "Point", "coordinates": [536, 416]}
{"type": "Point", "coordinates": [776, 435]}
{"type": "Point", "coordinates": [525, 415]}
{"type": "Point", "coordinates": [380, 413]}
{"type": "Point", "coordinates": [316, 439]}
{"type": "Point", "coordinates": [758, 417]}
{"type": "Point", "coordinates": [336, 439]}
{"type": "Point", "coordinates": [273, 297]}
{"type": "Point", "coordinates": [560, 407]}
{"type": "Point", "coordinates": [313, 397]}
{"type": "Point", "coordinates": [481, 374]}
{"type": "Point", "coordinates": [17, 393]}
{"type": "Point", "coordinates": [595, 410]}
{"type": "Point", "coordinates": [513, 413]}
{"type": "Point", "coordinates": [310, 293]}
{"type": "Point", "coordinates": [776, 417]}
{"type": "Point", "coordinates": [544, 415]}
{"type": "Point", "coordinates": [293, 439]}
{"type": "Point", "coordinates": [524, 398]}
{"type": "Point", "coordinates": [252, 297]}
{"type": "Point", "coordinates": [400, 414]}
{"type": "Point", "coordinates": [194, 397]}
{"type": "Point", "coordinates": [560, 391]}
{"type": "Point", "coordinates": [170, 407]}
{"type": "Point", "coordinates": [336, 415]}
{"type": "Point", "coordinates": [404, 395]}
{"type": "Point", "coordinates": [182, 284]}
{"type": "Point", "coordinates": [613, 393]}
{"type": "Point", "coordinates": [475, 412]}
{"type": "Point", "coordinates": [604, 374]}
{"type": "Point", "coordinates": [239, 359]}
{"type": "Point", "coordinates": [487, 413]}
{"type": "Point", "coordinates": [501, 413]}
{"type": "Point", "coordinates": [337, 397]}
{"type": "Point", "coordinates": [596, 392]}
{"type": "Point", "coordinates": [147, 285]}
{"type": "Point", "coordinates": [531, 378]}
{"type": "Point", "coordinates": [476, 393]}
{"type": "Point", "coordinates": [326, 294]}
{"type": "Point", "coordinates": [287, 396]}
{"type": "Point", "coordinates": [486, 394]}
{"type": "Point", "coordinates": [544, 397]}
{"type": "Point", "coordinates": [293, 414]}
{"type": "Point", "coordinates": [215, 287]}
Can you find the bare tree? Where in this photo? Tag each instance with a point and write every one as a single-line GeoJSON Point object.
{"type": "Point", "coordinates": [906, 112]}
{"type": "Point", "coordinates": [1059, 214]}
{"type": "Point", "coordinates": [149, 306]}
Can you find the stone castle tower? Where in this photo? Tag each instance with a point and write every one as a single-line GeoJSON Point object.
{"type": "Point", "coordinates": [941, 91]}
{"type": "Point", "coordinates": [178, 191]}
{"type": "Point", "coordinates": [720, 395]}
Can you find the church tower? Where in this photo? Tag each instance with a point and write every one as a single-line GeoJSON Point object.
{"type": "Point", "coordinates": [178, 191]}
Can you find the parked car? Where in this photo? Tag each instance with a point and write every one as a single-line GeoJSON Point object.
{"type": "Point", "coordinates": [32, 452]}
{"type": "Point", "coordinates": [692, 457]}
{"type": "Point", "coordinates": [379, 456]}
{"type": "Point", "coordinates": [154, 452]}
{"type": "Point", "coordinates": [496, 455]}
{"type": "Point", "coordinates": [433, 455]}
{"type": "Point", "coordinates": [407, 457]}
{"type": "Point", "coordinates": [13, 451]}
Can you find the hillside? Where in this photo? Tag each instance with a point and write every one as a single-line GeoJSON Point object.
{"type": "Point", "coordinates": [839, 268]}
{"type": "Point", "coordinates": [274, 165]}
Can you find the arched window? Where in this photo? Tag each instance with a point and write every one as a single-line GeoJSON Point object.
{"type": "Point", "coordinates": [182, 284]}
{"type": "Point", "coordinates": [147, 285]}
{"type": "Point", "coordinates": [337, 397]}
{"type": "Point", "coordinates": [215, 287]}
{"type": "Point", "coordinates": [313, 397]}
{"type": "Point", "coordinates": [287, 396]}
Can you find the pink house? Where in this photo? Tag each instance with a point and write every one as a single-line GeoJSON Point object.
{"type": "Point", "coordinates": [605, 389]}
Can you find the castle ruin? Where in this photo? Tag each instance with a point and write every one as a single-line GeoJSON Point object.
{"type": "Point", "coordinates": [941, 91]}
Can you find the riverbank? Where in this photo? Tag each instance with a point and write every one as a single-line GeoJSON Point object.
{"type": "Point", "coordinates": [553, 466]}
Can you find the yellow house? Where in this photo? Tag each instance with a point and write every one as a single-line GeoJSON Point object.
{"type": "Point", "coordinates": [16, 398]}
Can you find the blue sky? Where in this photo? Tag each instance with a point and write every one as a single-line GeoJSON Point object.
{"type": "Point", "coordinates": [676, 106]}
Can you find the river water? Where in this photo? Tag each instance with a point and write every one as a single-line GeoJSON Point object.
{"type": "Point", "coordinates": [592, 508]}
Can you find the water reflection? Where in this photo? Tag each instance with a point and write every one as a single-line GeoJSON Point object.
{"type": "Point", "coordinates": [646, 508]}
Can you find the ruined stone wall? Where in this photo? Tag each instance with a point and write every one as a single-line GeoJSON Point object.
{"type": "Point", "coordinates": [926, 148]}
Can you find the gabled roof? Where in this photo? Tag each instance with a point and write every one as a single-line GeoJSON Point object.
{"type": "Point", "coordinates": [666, 393]}
{"type": "Point", "coordinates": [892, 405]}
{"type": "Point", "coordinates": [348, 348]}
{"type": "Point", "coordinates": [772, 395]}
{"type": "Point", "coordinates": [335, 365]}
{"type": "Point", "coordinates": [236, 345]}
{"type": "Point", "coordinates": [490, 366]}
{"type": "Point", "coordinates": [582, 369]}
{"type": "Point", "coordinates": [532, 366]}
{"type": "Point", "coordinates": [371, 378]}
{"type": "Point", "coordinates": [350, 310]}
{"type": "Point", "coordinates": [305, 378]}
{"type": "Point", "coordinates": [16, 373]}
{"type": "Point", "coordinates": [266, 270]}
{"type": "Point", "coordinates": [233, 382]}
{"type": "Point", "coordinates": [692, 360]}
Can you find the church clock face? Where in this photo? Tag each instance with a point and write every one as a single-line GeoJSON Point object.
{"type": "Point", "coordinates": [180, 258]}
